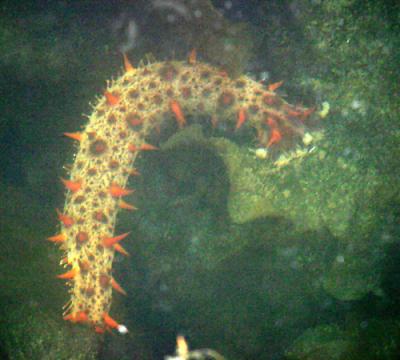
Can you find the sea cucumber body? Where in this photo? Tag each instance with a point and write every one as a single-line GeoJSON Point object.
{"type": "Point", "coordinates": [137, 105]}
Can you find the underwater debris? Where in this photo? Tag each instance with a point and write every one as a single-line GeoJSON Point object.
{"type": "Point", "coordinates": [182, 352]}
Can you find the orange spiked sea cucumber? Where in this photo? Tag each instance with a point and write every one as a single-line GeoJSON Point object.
{"type": "Point", "coordinates": [119, 129]}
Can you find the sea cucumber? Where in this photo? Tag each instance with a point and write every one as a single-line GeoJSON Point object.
{"type": "Point", "coordinates": [126, 121]}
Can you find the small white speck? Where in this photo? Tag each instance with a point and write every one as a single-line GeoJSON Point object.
{"type": "Point", "coordinates": [340, 259]}
{"type": "Point", "coordinates": [122, 329]}
{"type": "Point", "coordinates": [264, 76]}
{"type": "Point", "coordinates": [355, 104]}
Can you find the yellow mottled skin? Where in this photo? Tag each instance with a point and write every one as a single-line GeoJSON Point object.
{"type": "Point", "coordinates": [140, 103]}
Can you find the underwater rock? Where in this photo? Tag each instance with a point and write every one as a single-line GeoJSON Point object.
{"type": "Point", "coordinates": [314, 191]}
{"type": "Point", "coordinates": [364, 340]}
{"type": "Point", "coordinates": [351, 275]}
{"type": "Point", "coordinates": [32, 333]}
{"type": "Point", "coordinates": [326, 342]}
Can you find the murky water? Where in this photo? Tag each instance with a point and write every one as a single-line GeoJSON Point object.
{"type": "Point", "coordinates": [266, 223]}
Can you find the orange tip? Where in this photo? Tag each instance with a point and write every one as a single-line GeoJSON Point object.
{"type": "Point", "coordinates": [76, 135]}
{"type": "Point", "coordinates": [58, 238]}
{"type": "Point", "coordinates": [241, 118]}
{"type": "Point", "coordinates": [275, 137]}
{"type": "Point", "coordinates": [80, 316]}
{"type": "Point", "coordinates": [274, 86]}
{"type": "Point", "coordinates": [111, 98]}
{"type": "Point", "coordinates": [192, 59]}
{"type": "Point", "coordinates": [68, 275]}
{"type": "Point", "coordinates": [110, 321]}
{"type": "Point", "coordinates": [147, 147]}
{"type": "Point", "coordinates": [127, 64]}
{"type": "Point", "coordinates": [108, 242]}
{"type": "Point", "coordinates": [72, 186]}
{"type": "Point", "coordinates": [118, 191]}
{"type": "Point", "coordinates": [120, 249]}
{"type": "Point", "coordinates": [144, 146]}
{"type": "Point", "coordinates": [117, 287]}
{"type": "Point", "coordinates": [177, 111]}
{"type": "Point", "coordinates": [124, 205]}
{"type": "Point", "coordinates": [66, 220]}
{"type": "Point", "coordinates": [133, 148]}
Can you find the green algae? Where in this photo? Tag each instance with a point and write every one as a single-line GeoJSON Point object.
{"type": "Point", "coordinates": [317, 192]}
{"type": "Point", "coordinates": [30, 332]}
{"type": "Point", "coordinates": [324, 342]}
{"type": "Point", "coordinates": [368, 339]}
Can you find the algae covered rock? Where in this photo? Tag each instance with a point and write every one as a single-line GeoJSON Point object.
{"type": "Point", "coordinates": [369, 339]}
{"type": "Point", "coordinates": [35, 334]}
{"type": "Point", "coordinates": [314, 190]}
{"type": "Point", "coordinates": [327, 342]}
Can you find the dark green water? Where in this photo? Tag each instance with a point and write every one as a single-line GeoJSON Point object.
{"type": "Point", "coordinates": [300, 263]}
